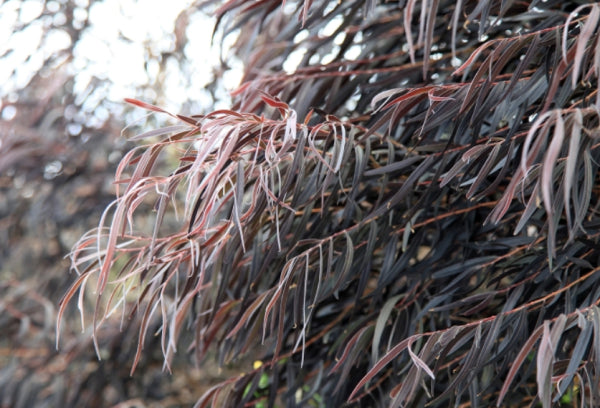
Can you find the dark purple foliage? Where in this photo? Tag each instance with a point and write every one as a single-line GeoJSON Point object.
{"type": "Point", "coordinates": [408, 216]}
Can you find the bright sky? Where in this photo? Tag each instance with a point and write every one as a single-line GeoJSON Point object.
{"type": "Point", "coordinates": [120, 36]}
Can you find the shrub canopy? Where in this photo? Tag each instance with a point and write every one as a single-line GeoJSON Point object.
{"type": "Point", "coordinates": [400, 208]}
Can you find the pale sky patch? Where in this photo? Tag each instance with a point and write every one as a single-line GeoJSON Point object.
{"type": "Point", "coordinates": [122, 42]}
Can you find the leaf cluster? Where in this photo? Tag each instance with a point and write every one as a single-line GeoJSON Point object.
{"type": "Point", "coordinates": [406, 217]}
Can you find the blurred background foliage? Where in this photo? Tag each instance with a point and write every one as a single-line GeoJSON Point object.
{"type": "Point", "coordinates": [65, 67]}
{"type": "Point", "coordinates": [468, 276]}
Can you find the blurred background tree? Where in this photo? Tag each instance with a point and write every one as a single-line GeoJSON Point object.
{"type": "Point", "coordinates": [413, 179]}
{"type": "Point", "coordinates": [65, 67]}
